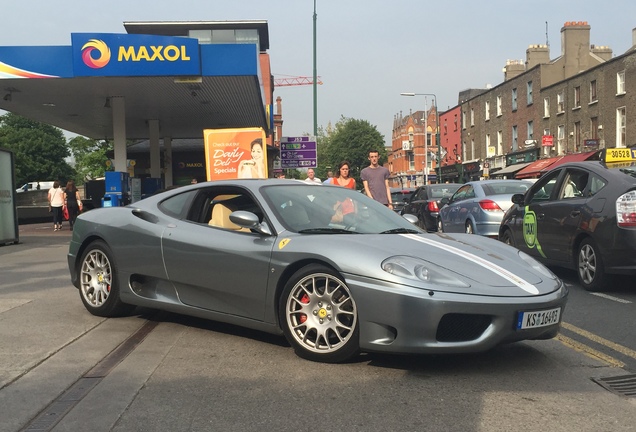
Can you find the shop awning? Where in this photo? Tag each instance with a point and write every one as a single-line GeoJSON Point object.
{"type": "Point", "coordinates": [577, 157]}
{"type": "Point", "coordinates": [510, 169]}
{"type": "Point", "coordinates": [535, 168]}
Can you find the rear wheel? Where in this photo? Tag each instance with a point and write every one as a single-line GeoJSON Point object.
{"type": "Point", "coordinates": [590, 266]}
{"type": "Point", "coordinates": [507, 238]}
{"type": "Point", "coordinates": [469, 228]}
{"type": "Point", "coordinates": [319, 316]}
{"type": "Point", "coordinates": [99, 289]}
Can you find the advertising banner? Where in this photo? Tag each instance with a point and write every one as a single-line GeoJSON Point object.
{"type": "Point", "coordinates": [235, 153]}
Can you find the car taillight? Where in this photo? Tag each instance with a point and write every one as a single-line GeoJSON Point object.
{"type": "Point", "coordinates": [489, 205]}
{"type": "Point", "coordinates": [626, 209]}
{"type": "Point", "coordinates": [432, 206]}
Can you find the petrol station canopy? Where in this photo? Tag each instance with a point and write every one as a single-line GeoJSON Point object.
{"type": "Point", "coordinates": [175, 74]}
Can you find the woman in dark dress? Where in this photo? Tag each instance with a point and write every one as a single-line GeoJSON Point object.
{"type": "Point", "coordinates": [72, 201]}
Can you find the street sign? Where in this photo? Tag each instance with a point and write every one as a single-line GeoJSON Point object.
{"type": "Point", "coordinates": [298, 152]}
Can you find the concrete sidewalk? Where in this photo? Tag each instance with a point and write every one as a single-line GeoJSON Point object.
{"type": "Point", "coordinates": [49, 342]}
{"type": "Point", "coordinates": [46, 229]}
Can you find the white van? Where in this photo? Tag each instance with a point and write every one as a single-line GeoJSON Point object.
{"type": "Point", "coordinates": [31, 186]}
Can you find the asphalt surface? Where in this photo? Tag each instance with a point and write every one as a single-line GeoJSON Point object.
{"type": "Point", "coordinates": [63, 369]}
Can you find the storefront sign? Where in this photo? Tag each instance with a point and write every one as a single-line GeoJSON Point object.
{"type": "Point", "coordinates": [547, 140]}
{"type": "Point", "coordinates": [109, 54]}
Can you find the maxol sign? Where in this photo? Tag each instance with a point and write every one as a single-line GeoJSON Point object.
{"type": "Point", "coordinates": [110, 54]}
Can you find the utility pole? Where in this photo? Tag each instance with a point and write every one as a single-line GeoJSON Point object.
{"type": "Point", "coordinates": [425, 141]}
{"type": "Point", "coordinates": [315, 77]}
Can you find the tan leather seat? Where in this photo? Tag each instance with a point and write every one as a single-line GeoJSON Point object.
{"type": "Point", "coordinates": [221, 217]}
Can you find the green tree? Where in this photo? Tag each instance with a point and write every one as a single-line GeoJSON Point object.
{"type": "Point", "coordinates": [90, 157]}
{"type": "Point", "coordinates": [352, 140]}
{"type": "Point", "coordinates": [323, 140]}
{"type": "Point", "coordinates": [40, 150]}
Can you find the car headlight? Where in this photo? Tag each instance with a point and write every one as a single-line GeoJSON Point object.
{"type": "Point", "coordinates": [422, 271]}
{"type": "Point", "coordinates": [536, 265]}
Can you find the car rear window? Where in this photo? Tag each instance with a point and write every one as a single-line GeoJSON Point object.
{"type": "Point", "coordinates": [443, 192]}
{"type": "Point", "coordinates": [508, 188]}
{"type": "Point", "coordinates": [629, 171]}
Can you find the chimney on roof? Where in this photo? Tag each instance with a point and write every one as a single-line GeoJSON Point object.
{"type": "Point", "coordinates": [513, 68]}
{"type": "Point", "coordinates": [537, 54]}
{"type": "Point", "coordinates": [575, 47]}
{"type": "Point", "coordinates": [603, 52]}
{"type": "Point", "coordinates": [279, 106]}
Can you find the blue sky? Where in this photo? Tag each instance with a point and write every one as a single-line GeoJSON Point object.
{"type": "Point", "coordinates": [368, 52]}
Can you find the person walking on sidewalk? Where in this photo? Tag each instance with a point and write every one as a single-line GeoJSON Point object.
{"type": "Point", "coordinates": [375, 179]}
{"type": "Point", "coordinates": [311, 177]}
{"type": "Point", "coordinates": [72, 201]}
{"type": "Point", "coordinates": [56, 201]}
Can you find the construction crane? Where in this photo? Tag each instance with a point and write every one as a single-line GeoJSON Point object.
{"type": "Point", "coordinates": [295, 81]}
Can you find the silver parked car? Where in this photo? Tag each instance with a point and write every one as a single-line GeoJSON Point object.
{"type": "Point", "coordinates": [332, 270]}
{"type": "Point", "coordinates": [479, 206]}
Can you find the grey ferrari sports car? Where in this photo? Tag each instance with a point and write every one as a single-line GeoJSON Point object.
{"type": "Point", "coordinates": [334, 271]}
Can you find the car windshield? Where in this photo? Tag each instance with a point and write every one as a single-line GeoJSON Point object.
{"type": "Point", "coordinates": [309, 209]}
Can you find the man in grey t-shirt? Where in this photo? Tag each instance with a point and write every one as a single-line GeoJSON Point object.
{"type": "Point", "coordinates": [376, 180]}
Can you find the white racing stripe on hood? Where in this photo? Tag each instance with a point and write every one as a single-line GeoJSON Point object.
{"type": "Point", "coordinates": [524, 285]}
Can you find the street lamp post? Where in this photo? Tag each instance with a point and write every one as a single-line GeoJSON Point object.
{"type": "Point", "coordinates": [315, 78]}
{"type": "Point", "coordinates": [425, 142]}
{"type": "Point", "coordinates": [437, 138]}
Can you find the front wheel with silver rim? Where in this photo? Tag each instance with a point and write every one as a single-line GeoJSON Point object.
{"type": "Point", "coordinates": [99, 289]}
{"type": "Point", "coordinates": [590, 266]}
{"type": "Point", "coordinates": [319, 316]}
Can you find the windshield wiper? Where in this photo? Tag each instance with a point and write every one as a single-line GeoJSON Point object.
{"type": "Point", "coordinates": [326, 230]}
{"type": "Point", "coordinates": [401, 231]}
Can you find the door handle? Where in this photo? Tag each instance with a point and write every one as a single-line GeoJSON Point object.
{"type": "Point", "coordinates": [575, 213]}
{"type": "Point", "coordinates": [541, 216]}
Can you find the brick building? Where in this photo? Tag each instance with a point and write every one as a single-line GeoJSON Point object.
{"type": "Point", "coordinates": [578, 102]}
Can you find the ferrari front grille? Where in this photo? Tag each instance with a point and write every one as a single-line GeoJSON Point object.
{"type": "Point", "coordinates": [462, 327]}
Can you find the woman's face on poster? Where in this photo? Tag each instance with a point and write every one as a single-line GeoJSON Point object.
{"type": "Point", "coordinates": [257, 152]}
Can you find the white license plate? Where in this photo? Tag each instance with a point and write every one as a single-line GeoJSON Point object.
{"type": "Point", "coordinates": [534, 319]}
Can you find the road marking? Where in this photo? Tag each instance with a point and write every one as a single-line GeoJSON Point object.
{"type": "Point", "coordinates": [609, 297]}
{"type": "Point", "coordinates": [599, 340]}
{"type": "Point", "coordinates": [590, 352]}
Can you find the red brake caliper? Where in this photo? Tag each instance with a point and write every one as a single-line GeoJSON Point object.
{"type": "Point", "coordinates": [305, 300]}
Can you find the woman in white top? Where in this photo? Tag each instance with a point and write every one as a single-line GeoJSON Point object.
{"type": "Point", "coordinates": [56, 201]}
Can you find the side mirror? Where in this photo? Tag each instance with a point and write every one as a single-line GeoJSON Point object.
{"type": "Point", "coordinates": [518, 199]}
{"type": "Point", "coordinates": [249, 220]}
{"type": "Point", "coordinates": [444, 201]}
{"type": "Point", "coordinates": [411, 218]}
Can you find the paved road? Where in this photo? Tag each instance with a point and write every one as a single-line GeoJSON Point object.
{"type": "Point", "coordinates": [63, 369]}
